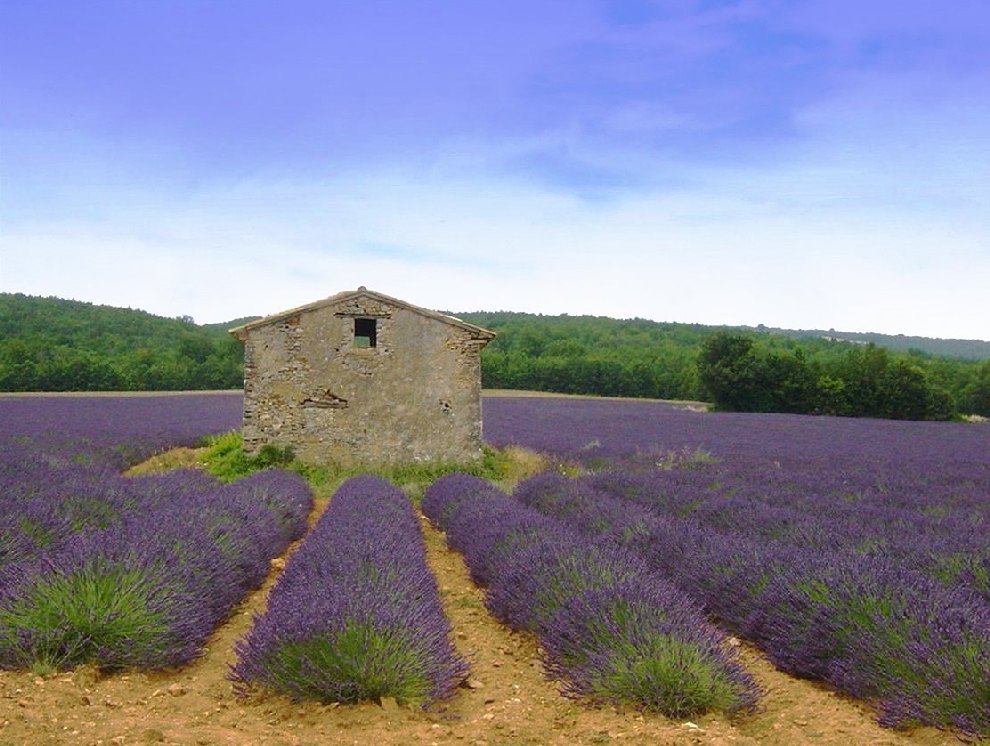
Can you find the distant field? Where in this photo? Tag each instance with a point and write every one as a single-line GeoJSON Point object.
{"type": "Point", "coordinates": [239, 392]}
{"type": "Point", "coordinates": [686, 403]}
{"type": "Point", "coordinates": [229, 392]}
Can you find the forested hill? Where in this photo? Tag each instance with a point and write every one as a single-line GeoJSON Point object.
{"type": "Point", "coordinates": [966, 349]}
{"type": "Point", "coordinates": [50, 344]}
{"type": "Point", "coordinates": [594, 328]}
{"type": "Point", "coordinates": [590, 354]}
{"type": "Point", "coordinates": [641, 358]}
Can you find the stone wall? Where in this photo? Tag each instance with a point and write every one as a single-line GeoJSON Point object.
{"type": "Point", "coordinates": [413, 396]}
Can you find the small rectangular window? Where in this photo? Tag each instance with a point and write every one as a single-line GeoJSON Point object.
{"type": "Point", "coordinates": [365, 333]}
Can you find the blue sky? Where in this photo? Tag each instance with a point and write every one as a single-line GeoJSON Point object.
{"type": "Point", "coordinates": [795, 163]}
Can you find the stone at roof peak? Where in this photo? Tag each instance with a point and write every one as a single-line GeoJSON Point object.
{"type": "Point", "coordinates": [241, 331]}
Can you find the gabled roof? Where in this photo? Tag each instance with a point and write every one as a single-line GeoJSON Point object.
{"type": "Point", "coordinates": [478, 332]}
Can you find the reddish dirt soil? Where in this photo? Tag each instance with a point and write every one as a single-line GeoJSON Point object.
{"type": "Point", "coordinates": [507, 699]}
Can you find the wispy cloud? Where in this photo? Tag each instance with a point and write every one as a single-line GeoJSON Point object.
{"type": "Point", "coordinates": [790, 162]}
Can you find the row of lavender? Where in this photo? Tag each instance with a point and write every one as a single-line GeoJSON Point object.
{"type": "Point", "coordinates": [356, 615]}
{"type": "Point", "coordinates": [97, 568]}
{"type": "Point", "coordinates": [611, 629]}
{"type": "Point", "coordinates": [874, 628]}
{"type": "Point", "coordinates": [853, 551]}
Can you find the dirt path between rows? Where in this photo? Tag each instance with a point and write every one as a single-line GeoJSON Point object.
{"type": "Point", "coordinates": [507, 700]}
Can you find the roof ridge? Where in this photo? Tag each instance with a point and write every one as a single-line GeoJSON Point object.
{"type": "Point", "coordinates": [241, 331]}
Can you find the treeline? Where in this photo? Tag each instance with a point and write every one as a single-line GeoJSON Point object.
{"type": "Point", "coordinates": [968, 349]}
{"type": "Point", "coordinates": [591, 355]}
{"type": "Point", "coordinates": [766, 372]}
{"type": "Point", "coordinates": [51, 344]}
{"type": "Point", "coordinates": [742, 375]}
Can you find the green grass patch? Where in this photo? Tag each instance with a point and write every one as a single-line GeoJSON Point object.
{"type": "Point", "coordinates": [684, 459]}
{"type": "Point", "coordinates": [225, 459]}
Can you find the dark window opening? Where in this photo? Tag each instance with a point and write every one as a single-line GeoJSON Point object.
{"type": "Point", "coordinates": [365, 333]}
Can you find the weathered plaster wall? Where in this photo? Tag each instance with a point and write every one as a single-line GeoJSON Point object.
{"type": "Point", "coordinates": [413, 397]}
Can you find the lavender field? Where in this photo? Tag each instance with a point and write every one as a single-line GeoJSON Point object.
{"type": "Point", "coordinates": [112, 432]}
{"type": "Point", "coordinates": [851, 551]}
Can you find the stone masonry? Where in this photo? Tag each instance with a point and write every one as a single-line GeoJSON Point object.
{"type": "Point", "coordinates": [362, 378]}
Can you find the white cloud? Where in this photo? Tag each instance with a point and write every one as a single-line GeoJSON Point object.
{"type": "Point", "coordinates": [727, 253]}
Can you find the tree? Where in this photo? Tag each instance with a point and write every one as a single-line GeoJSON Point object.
{"type": "Point", "coordinates": [788, 383]}
{"type": "Point", "coordinates": [976, 394]}
{"type": "Point", "coordinates": [904, 392]}
{"type": "Point", "coordinates": [726, 369]}
{"type": "Point", "coordinates": [876, 384]}
{"type": "Point", "coordinates": [862, 373]}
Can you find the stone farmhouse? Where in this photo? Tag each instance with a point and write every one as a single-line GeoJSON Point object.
{"type": "Point", "coordinates": [363, 378]}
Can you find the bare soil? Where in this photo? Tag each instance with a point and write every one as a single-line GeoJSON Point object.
{"type": "Point", "coordinates": [507, 700]}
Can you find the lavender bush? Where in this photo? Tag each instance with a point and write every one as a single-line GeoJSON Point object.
{"type": "Point", "coordinates": [640, 643]}
{"type": "Point", "coordinates": [357, 613]}
{"type": "Point", "coordinates": [883, 633]}
{"type": "Point", "coordinates": [610, 629]}
{"type": "Point", "coordinates": [107, 600]}
{"type": "Point", "coordinates": [148, 591]}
